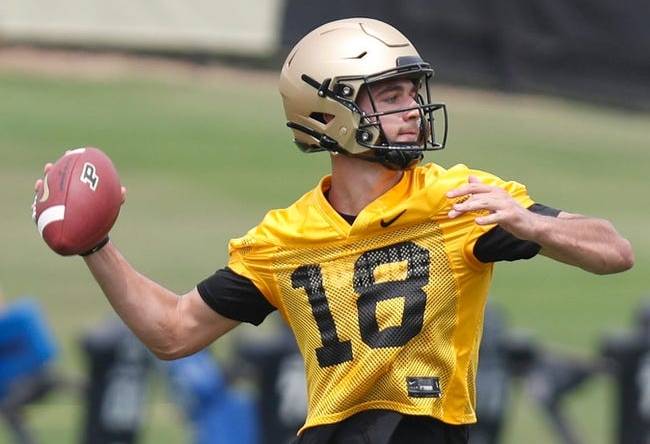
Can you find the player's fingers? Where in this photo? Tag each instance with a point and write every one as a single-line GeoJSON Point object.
{"type": "Point", "coordinates": [471, 181]}
{"type": "Point", "coordinates": [47, 168]}
{"type": "Point", "coordinates": [480, 202]}
{"type": "Point", "coordinates": [123, 191]}
{"type": "Point", "coordinates": [471, 188]}
{"type": "Point", "coordinates": [460, 191]}
{"type": "Point", "coordinates": [490, 219]}
{"type": "Point", "coordinates": [38, 184]}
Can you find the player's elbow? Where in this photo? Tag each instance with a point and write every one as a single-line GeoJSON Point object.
{"type": "Point", "coordinates": [621, 258]}
{"type": "Point", "coordinates": [168, 342]}
{"type": "Point", "coordinates": [625, 256]}
{"type": "Point", "coordinates": [172, 353]}
{"type": "Point", "coordinates": [179, 343]}
{"type": "Point", "coordinates": [185, 331]}
{"type": "Point", "coordinates": [169, 355]}
{"type": "Point", "coordinates": [168, 350]}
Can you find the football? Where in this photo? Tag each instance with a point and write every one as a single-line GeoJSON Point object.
{"type": "Point", "coordinates": [79, 201]}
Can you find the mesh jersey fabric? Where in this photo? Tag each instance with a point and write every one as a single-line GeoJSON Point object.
{"type": "Point", "coordinates": [237, 298]}
{"type": "Point", "coordinates": [386, 315]}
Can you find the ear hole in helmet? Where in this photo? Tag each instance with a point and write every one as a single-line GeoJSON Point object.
{"type": "Point", "coordinates": [323, 118]}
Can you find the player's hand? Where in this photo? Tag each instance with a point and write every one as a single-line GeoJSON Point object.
{"type": "Point", "coordinates": [503, 209]}
{"type": "Point", "coordinates": [38, 185]}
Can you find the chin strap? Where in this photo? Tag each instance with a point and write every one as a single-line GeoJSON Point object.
{"type": "Point", "coordinates": [396, 159]}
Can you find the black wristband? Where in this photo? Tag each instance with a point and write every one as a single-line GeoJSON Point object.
{"type": "Point", "coordinates": [96, 248]}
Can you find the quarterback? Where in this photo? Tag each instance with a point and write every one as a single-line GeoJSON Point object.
{"type": "Point", "coordinates": [383, 269]}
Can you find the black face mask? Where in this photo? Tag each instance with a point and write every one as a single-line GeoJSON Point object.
{"type": "Point", "coordinates": [370, 133]}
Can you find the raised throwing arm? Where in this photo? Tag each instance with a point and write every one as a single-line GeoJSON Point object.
{"type": "Point", "coordinates": [170, 325]}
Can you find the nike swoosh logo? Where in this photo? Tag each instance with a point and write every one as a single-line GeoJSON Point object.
{"type": "Point", "coordinates": [387, 223]}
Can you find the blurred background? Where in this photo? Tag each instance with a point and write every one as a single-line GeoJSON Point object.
{"type": "Point", "coordinates": [182, 96]}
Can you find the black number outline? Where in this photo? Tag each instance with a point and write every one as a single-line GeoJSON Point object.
{"type": "Point", "coordinates": [371, 293]}
{"type": "Point", "coordinates": [334, 351]}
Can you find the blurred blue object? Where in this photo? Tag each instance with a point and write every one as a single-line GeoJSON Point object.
{"type": "Point", "coordinates": [218, 414]}
{"type": "Point", "coordinates": [26, 343]}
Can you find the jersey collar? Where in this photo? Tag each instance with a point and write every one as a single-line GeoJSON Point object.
{"type": "Point", "coordinates": [380, 207]}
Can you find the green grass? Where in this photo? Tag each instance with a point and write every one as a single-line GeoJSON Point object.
{"type": "Point", "coordinates": [203, 161]}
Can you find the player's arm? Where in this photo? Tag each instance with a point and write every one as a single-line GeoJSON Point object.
{"type": "Point", "coordinates": [170, 325]}
{"type": "Point", "coordinates": [589, 243]}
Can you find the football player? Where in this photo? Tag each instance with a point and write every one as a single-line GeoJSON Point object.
{"type": "Point", "coordinates": [382, 270]}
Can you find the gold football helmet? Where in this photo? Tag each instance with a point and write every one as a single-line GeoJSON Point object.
{"type": "Point", "coordinates": [321, 80]}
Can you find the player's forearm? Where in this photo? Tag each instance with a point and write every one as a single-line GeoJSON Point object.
{"type": "Point", "coordinates": [589, 243]}
{"type": "Point", "coordinates": [148, 309]}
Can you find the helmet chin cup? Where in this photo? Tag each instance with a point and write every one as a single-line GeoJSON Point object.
{"type": "Point", "coordinates": [397, 159]}
{"type": "Point", "coordinates": [401, 160]}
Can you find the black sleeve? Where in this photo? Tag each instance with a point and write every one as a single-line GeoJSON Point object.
{"type": "Point", "coordinates": [235, 297]}
{"type": "Point", "coordinates": [499, 245]}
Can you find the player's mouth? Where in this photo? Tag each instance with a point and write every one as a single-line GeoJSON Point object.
{"type": "Point", "coordinates": [408, 135]}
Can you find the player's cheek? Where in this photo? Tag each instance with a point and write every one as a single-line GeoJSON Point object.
{"type": "Point", "coordinates": [390, 127]}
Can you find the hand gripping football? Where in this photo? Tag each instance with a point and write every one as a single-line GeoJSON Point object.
{"type": "Point", "coordinates": [79, 201]}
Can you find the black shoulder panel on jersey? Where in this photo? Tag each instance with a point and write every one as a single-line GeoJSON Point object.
{"type": "Point", "coordinates": [235, 297]}
{"type": "Point", "coordinates": [499, 245]}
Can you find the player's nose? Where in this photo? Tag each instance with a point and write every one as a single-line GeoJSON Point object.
{"type": "Point", "coordinates": [412, 113]}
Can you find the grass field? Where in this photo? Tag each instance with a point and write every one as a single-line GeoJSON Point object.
{"type": "Point", "coordinates": [204, 157]}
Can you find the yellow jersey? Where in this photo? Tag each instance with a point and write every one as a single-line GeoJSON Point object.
{"type": "Point", "coordinates": [388, 311]}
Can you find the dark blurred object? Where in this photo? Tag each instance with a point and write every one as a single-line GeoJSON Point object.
{"type": "Point", "coordinates": [27, 352]}
{"type": "Point", "coordinates": [598, 50]}
{"type": "Point", "coordinates": [508, 357]}
{"type": "Point", "coordinates": [551, 380]}
{"type": "Point", "coordinates": [493, 380]}
{"type": "Point", "coordinates": [217, 412]}
{"type": "Point", "coordinates": [278, 371]}
{"type": "Point", "coordinates": [630, 357]}
{"type": "Point", "coordinates": [118, 368]}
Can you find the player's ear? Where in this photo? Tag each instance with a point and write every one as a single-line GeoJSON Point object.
{"type": "Point", "coordinates": [328, 117]}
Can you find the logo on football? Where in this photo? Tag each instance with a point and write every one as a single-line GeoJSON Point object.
{"type": "Point", "coordinates": [79, 201]}
{"type": "Point", "coordinates": [89, 175]}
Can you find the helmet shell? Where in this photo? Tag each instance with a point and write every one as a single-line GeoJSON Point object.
{"type": "Point", "coordinates": [344, 51]}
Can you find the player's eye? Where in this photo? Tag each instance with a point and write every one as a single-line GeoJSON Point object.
{"type": "Point", "coordinates": [393, 98]}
